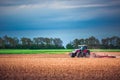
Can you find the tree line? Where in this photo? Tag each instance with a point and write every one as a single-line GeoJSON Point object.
{"type": "Point", "coordinates": [7, 42]}
{"type": "Point", "coordinates": [94, 43]}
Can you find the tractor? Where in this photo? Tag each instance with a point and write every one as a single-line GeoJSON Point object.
{"type": "Point", "coordinates": [82, 51]}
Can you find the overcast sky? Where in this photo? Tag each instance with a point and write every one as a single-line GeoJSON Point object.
{"type": "Point", "coordinates": [65, 19]}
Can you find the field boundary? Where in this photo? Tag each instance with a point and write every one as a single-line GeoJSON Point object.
{"type": "Point", "coordinates": [49, 51]}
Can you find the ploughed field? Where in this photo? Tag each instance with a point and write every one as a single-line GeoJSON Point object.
{"type": "Point", "coordinates": [58, 67]}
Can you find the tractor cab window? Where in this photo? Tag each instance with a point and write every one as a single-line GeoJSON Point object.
{"type": "Point", "coordinates": [83, 47]}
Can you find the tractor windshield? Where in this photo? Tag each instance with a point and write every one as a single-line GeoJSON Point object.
{"type": "Point", "coordinates": [82, 47]}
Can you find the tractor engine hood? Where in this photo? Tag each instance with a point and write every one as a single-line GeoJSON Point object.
{"type": "Point", "coordinates": [75, 50]}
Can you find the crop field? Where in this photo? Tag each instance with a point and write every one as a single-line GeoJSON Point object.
{"type": "Point", "coordinates": [58, 67]}
{"type": "Point", "coordinates": [49, 51]}
{"type": "Point", "coordinates": [39, 51]}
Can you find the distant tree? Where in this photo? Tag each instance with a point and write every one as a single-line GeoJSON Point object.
{"type": "Point", "coordinates": [6, 40]}
{"type": "Point", "coordinates": [2, 43]}
{"type": "Point", "coordinates": [76, 42]}
{"type": "Point", "coordinates": [111, 42]}
{"type": "Point", "coordinates": [36, 41]}
{"type": "Point", "coordinates": [41, 40]}
{"type": "Point", "coordinates": [93, 42]}
{"type": "Point", "coordinates": [114, 41]}
{"type": "Point", "coordinates": [26, 42]}
{"type": "Point", "coordinates": [70, 46]}
{"type": "Point", "coordinates": [86, 41]}
{"type": "Point", "coordinates": [82, 41]}
{"type": "Point", "coordinates": [47, 41]}
{"type": "Point", "coordinates": [58, 43]}
{"type": "Point", "coordinates": [14, 42]}
{"type": "Point", "coordinates": [9, 42]}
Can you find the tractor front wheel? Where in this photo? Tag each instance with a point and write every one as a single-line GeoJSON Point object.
{"type": "Point", "coordinates": [72, 54]}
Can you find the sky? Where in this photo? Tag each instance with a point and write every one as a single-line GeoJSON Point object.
{"type": "Point", "coordinates": [65, 19]}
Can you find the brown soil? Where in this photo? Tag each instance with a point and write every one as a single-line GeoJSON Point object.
{"type": "Point", "coordinates": [58, 67]}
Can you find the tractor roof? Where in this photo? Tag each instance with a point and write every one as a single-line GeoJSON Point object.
{"type": "Point", "coordinates": [81, 45]}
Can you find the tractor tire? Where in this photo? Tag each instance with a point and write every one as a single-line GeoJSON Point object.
{"type": "Point", "coordinates": [72, 55]}
{"type": "Point", "coordinates": [79, 54]}
{"type": "Point", "coordinates": [88, 53]}
{"type": "Point", "coordinates": [84, 54]}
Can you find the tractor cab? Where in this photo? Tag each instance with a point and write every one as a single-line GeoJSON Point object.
{"type": "Point", "coordinates": [82, 47]}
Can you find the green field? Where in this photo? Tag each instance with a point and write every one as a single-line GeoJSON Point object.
{"type": "Point", "coordinates": [49, 51]}
{"type": "Point", "coordinates": [40, 51]}
{"type": "Point", "coordinates": [105, 50]}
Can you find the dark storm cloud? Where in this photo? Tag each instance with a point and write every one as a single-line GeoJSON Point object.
{"type": "Point", "coordinates": [19, 2]}
{"type": "Point", "coordinates": [66, 2]}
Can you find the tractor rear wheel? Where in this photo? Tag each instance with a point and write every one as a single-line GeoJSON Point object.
{"type": "Point", "coordinates": [79, 54]}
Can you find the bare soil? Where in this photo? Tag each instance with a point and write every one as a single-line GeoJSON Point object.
{"type": "Point", "coordinates": [66, 55]}
{"type": "Point", "coordinates": [58, 67]}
